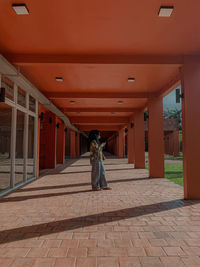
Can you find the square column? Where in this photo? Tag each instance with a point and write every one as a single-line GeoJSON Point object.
{"type": "Point", "coordinates": [121, 143]}
{"type": "Point", "coordinates": [48, 141]}
{"type": "Point", "coordinates": [139, 142]}
{"type": "Point", "coordinates": [72, 144]}
{"type": "Point", "coordinates": [156, 138]}
{"type": "Point", "coordinates": [77, 144]}
{"type": "Point", "coordinates": [191, 126]}
{"type": "Point", "coordinates": [131, 146]}
{"type": "Point", "coordinates": [61, 143]}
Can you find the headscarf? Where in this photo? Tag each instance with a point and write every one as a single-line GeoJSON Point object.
{"type": "Point", "coordinates": [93, 136]}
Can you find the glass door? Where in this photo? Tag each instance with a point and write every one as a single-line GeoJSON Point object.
{"type": "Point", "coordinates": [5, 141]}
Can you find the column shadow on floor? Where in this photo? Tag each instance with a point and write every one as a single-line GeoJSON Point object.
{"type": "Point", "coordinates": [32, 231]}
{"type": "Point", "coordinates": [79, 184]}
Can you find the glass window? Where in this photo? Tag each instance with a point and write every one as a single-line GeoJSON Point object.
{"type": "Point", "coordinates": [19, 156]}
{"type": "Point", "coordinates": [31, 103]}
{"type": "Point", "coordinates": [21, 97]}
{"type": "Point", "coordinates": [9, 87]}
{"type": "Point", "coordinates": [30, 160]}
{"type": "Point", "coordinates": [5, 140]}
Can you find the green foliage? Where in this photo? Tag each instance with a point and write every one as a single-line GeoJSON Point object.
{"type": "Point", "coordinates": [173, 172]}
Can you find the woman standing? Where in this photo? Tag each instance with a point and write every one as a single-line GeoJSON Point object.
{"type": "Point", "coordinates": [98, 175]}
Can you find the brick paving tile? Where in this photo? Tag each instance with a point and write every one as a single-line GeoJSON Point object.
{"type": "Point", "coordinates": [77, 252]}
{"type": "Point", "coordinates": [147, 235]}
{"type": "Point", "coordinates": [14, 252]}
{"type": "Point", "coordinates": [81, 236]}
{"type": "Point", "coordinates": [174, 251]}
{"type": "Point", "coordinates": [115, 252]}
{"type": "Point", "coordinates": [57, 220]}
{"type": "Point", "coordinates": [192, 261]}
{"type": "Point", "coordinates": [154, 251]}
{"type": "Point", "coordinates": [38, 252]}
{"type": "Point", "coordinates": [65, 262]}
{"type": "Point", "coordinates": [129, 262]}
{"type": "Point", "coordinates": [191, 250]}
{"type": "Point", "coordinates": [86, 262]}
{"type": "Point", "coordinates": [136, 251]}
{"type": "Point", "coordinates": [129, 235]}
{"type": "Point", "coordinates": [105, 243]}
{"type": "Point", "coordinates": [64, 235]}
{"type": "Point", "coordinates": [107, 262]}
{"type": "Point", "coordinates": [44, 262]}
{"type": "Point", "coordinates": [158, 242]}
{"type": "Point", "coordinates": [90, 243]}
{"type": "Point", "coordinates": [141, 243]}
{"type": "Point", "coordinates": [57, 252]}
{"type": "Point", "coordinates": [5, 262]}
{"type": "Point", "coordinates": [23, 262]}
{"type": "Point", "coordinates": [113, 235]}
{"type": "Point", "coordinates": [52, 243]}
{"type": "Point", "coordinates": [172, 262]}
{"type": "Point", "coordinates": [122, 243]}
{"type": "Point", "coordinates": [193, 242]}
{"type": "Point", "coordinates": [69, 243]}
{"type": "Point", "coordinates": [92, 252]}
{"type": "Point", "coordinates": [151, 262]}
{"type": "Point", "coordinates": [97, 235]}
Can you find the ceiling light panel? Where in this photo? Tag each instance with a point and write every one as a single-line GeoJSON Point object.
{"type": "Point", "coordinates": [165, 11]}
{"type": "Point", "coordinates": [20, 9]}
{"type": "Point", "coordinates": [59, 79]}
{"type": "Point", "coordinates": [131, 80]}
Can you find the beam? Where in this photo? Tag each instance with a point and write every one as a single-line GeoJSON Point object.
{"type": "Point", "coordinates": [99, 127]}
{"type": "Point", "coordinates": [101, 120]}
{"type": "Point", "coordinates": [170, 86]}
{"type": "Point", "coordinates": [62, 95]}
{"type": "Point", "coordinates": [99, 109]}
{"type": "Point", "coordinates": [30, 59]}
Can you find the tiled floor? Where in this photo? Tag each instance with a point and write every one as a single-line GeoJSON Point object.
{"type": "Point", "coordinates": [58, 221]}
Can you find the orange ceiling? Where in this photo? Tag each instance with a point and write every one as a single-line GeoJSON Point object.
{"type": "Point", "coordinates": [99, 28]}
{"type": "Point", "coordinates": [100, 77]}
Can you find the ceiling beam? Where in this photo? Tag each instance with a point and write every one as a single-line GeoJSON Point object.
{"type": "Point", "coordinates": [60, 95]}
{"type": "Point", "coordinates": [170, 86]}
{"type": "Point", "coordinates": [65, 110]}
{"type": "Point", "coordinates": [99, 120]}
{"type": "Point", "coordinates": [99, 127]}
{"type": "Point", "coordinates": [30, 59]}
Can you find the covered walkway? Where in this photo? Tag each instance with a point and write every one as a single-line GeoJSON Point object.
{"type": "Point", "coordinates": [58, 221]}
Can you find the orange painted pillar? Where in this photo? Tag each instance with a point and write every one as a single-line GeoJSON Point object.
{"type": "Point", "coordinates": [121, 143]}
{"type": "Point", "coordinates": [77, 144]}
{"type": "Point", "coordinates": [139, 140]}
{"type": "Point", "coordinates": [72, 144]}
{"type": "Point", "coordinates": [131, 147]}
{"type": "Point", "coordinates": [38, 150]}
{"type": "Point", "coordinates": [156, 138]}
{"type": "Point", "coordinates": [50, 137]}
{"type": "Point", "coordinates": [191, 126]}
{"type": "Point", "coordinates": [61, 143]}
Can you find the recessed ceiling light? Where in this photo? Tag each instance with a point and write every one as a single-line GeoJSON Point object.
{"type": "Point", "coordinates": [131, 80]}
{"type": "Point", "coordinates": [20, 9]}
{"type": "Point", "coordinates": [72, 102]}
{"type": "Point", "coordinates": [120, 102]}
{"type": "Point", "coordinates": [59, 79]}
{"type": "Point", "coordinates": [165, 11]}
